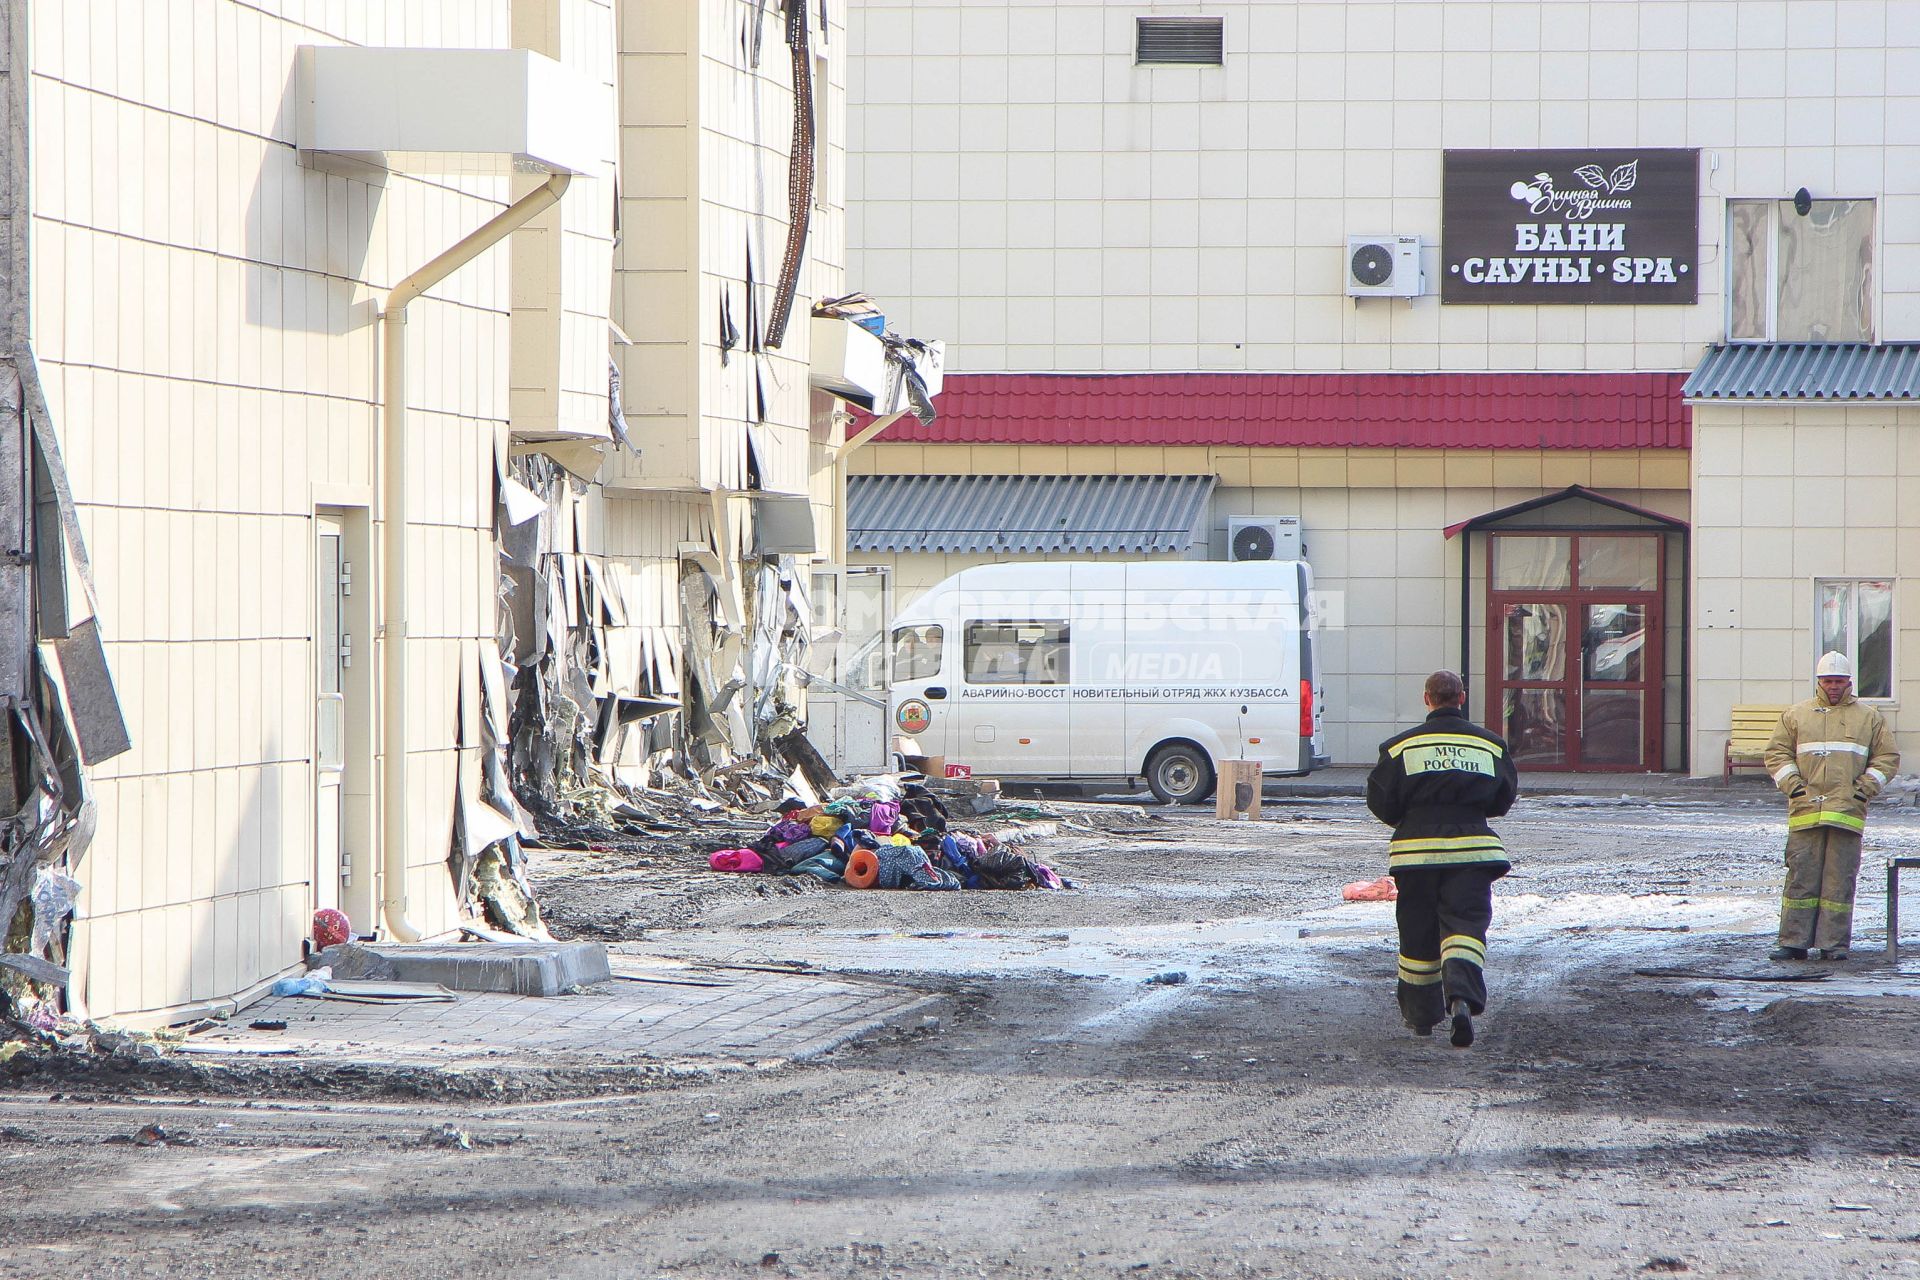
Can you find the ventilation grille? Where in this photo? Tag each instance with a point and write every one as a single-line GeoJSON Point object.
{"type": "Point", "coordinates": [1188, 41]}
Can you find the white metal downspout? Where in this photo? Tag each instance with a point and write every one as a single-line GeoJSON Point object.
{"type": "Point", "coordinates": [393, 538]}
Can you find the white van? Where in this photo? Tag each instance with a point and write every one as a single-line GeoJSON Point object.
{"type": "Point", "coordinates": [1113, 672]}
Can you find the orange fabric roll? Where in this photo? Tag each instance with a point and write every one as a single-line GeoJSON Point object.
{"type": "Point", "coordinates": [863, 869]}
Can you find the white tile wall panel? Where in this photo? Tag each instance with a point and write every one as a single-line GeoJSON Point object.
{"type": "Point", "coordinates": [200, 409]}
{"type": "Point", "coordinates": [1307, 86]}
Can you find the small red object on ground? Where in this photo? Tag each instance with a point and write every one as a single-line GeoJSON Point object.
{"type": "Point", "coordinates": [959, 771]}
{"type": "Point", "coordinates": [1381, 890]}
{"type": "Point", "coordinates": [331, 928]}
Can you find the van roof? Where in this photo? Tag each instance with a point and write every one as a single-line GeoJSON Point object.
{"type": "Point", "coordinates": [1282, 576]}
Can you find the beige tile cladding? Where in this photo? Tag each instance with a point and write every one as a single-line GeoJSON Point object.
{"type": "Point", "coordinates": [1784, 495]}
{"type": "Point", "coordinates": [1019, 182]}
{"type": "Point", "coordinates": [202, 307]}
{"type": "Point", "coordinates": [703, 199]}
{"type": "Point", "coordinates": [1374, 522]}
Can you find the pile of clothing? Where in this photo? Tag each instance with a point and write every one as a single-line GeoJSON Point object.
{"type": "Point", "coordinates": [885, 833]}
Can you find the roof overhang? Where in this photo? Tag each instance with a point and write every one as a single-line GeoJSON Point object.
{"type": "Point", "coordinates": [1639, 517]}
{"type": "Point", "coordinates": [1027, 515]}
{"type": "Point", "coordinates": [1787, 372]}
{"type": "Point", "coordinates": [487, 111]}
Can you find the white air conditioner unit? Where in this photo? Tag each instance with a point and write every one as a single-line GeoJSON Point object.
{"type": "Point", "coordinates": [1263, 537]}
{"type": "Point", "coordinates": [1384, 267]}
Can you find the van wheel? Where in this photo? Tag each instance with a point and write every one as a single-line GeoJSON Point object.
{"type": "Point", "coordinates": [1180, 774]}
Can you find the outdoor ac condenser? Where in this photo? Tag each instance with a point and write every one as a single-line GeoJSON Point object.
{"type": "Point", "coordinates": [1384, 267]}
{"type": "Point", "coordinates": [1263, 537]}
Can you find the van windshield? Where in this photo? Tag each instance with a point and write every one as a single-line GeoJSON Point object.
{"type": "Point", "coordinates": [916, 652]}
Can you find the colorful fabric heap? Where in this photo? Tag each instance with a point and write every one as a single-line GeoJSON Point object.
{"type": "Point", "coordinates": [885, 833]}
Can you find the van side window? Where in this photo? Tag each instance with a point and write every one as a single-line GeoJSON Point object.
{"type": "Point", "coordinates": [1017, 653]}
{"type": "Point", "coordinates": [916, 652]}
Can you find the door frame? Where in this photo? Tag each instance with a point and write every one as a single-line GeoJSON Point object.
{"type": "Point", "coordinates": [1575, 599]}
{"type": "Point", "coordinates": [351, 882]}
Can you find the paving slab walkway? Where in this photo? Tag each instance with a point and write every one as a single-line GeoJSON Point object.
{"type": "Point", "coordinates": [653, 1010]}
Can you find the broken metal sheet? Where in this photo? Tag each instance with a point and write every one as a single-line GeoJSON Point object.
{"type": "Point", "coordinates": [521, 503]}
{"type": "Point", "coordinates": [54, 897]}
{"type": "Point", "coordinates": [580, 458]}
{"type": "Point", "coordinates": [556, 615]}
{"type": "Point", "coordinates": [34, 969]}
{"type": "Point", "coordinates": [570, 588]}
{"type": "Point", "coordinates": [467, 705]}
{"type": "Point", "coordinates": [93, 706]}
{"type": "Point", "coordinates": [521, 545]}
{"type": "Point", "coordinates": [726, 594]}
{"type": "Point", "coordinates": [613, 595]}
{"type": "Point", "coordinates": [493, 692]}
{"type": "Point", "coordinates": [54, 617]}
{"type": "Point", "coordinates": [481, 824]}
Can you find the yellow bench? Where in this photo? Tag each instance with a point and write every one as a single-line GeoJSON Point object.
{"type": "Point", "coordinates": [1747, 743]}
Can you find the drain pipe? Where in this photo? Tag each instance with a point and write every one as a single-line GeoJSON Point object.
{"type": "Point", "coordinates": [393, 538]}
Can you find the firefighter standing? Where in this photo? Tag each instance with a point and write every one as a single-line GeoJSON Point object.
{"type": "Point", "coordinates": [1436, 785]}
{"type": "Point", "coordinates": [1830, 754]}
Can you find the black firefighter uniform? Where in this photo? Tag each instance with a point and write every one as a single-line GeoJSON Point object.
{"type": "Point", "coordinates": [1436, 785]}
{"type": "Point", "coordinates": [1830, 759]}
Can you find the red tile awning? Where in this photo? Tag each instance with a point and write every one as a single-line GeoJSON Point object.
{"type": "Point", "coordinates": [1311, 410]}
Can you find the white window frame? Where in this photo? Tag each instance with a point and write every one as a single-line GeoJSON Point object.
{"type": "Point", "coordinates": [1892, 696]}
{"type": "Point", "coordinates": [1773, 204]}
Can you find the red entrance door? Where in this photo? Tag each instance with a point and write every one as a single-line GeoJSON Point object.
{"type": "Point", "coordinates": [1574, 631]}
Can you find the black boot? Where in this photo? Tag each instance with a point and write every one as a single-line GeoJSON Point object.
{"type": "Point", "coordinates": [1462, 1025]}
{"type": "Point", "coordinates": [1787, 953]}
{"type": "Point", "coordinates": [1834, 953]}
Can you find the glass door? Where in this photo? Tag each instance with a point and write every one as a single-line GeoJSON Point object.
{"type": "Point", "coordinates": [1574, 646]}
{"type": "Point", "coordinates": [1536, 699]}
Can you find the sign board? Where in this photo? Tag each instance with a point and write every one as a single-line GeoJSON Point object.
{"type": "Point", "coordinates": [1575, 227]}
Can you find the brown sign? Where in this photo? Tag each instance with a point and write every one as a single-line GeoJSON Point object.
{"type": "Point", "coordinates": [1577, 227]}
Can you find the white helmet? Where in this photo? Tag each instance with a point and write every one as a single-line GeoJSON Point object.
{"type": "Point", "coordinates": [1833, 664]}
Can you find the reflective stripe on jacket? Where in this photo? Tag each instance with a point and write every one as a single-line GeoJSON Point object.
{"type": "Point", "coordinates": [1436, 785]}
{"type": "Point", "coordinates": [1830, 760]}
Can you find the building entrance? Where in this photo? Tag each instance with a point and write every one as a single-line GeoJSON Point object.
{"type": "Point", "coordinates": [1575, 648]}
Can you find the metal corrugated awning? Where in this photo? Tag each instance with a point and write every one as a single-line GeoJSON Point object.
{"type": "Point", "coordinates": [1025, 514]}
{"type": "Point", "coordinates": [1807, 371]}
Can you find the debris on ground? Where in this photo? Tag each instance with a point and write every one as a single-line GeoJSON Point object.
{"type": "Point", "coordinates": [448, 1137]}
{"type": "Point", "coordinates": [1382, 890]}
{"type": "Point", "coordinates": [1171, 978]}
{"type": "Point", "coordinates": [891, 831]}
{"type": "Point", "coordinates": [152, 1135]}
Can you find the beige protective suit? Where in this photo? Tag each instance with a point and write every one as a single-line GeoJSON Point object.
{"type": "Point", "coordinates": [1829, 759]}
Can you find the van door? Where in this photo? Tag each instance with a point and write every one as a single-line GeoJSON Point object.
{"type": "Point", "coordinates": [1097, 707]}
{"type": "Point", "coordinates": [1015, 679]}
{"type": "Point", "coordinates": [922, 686]}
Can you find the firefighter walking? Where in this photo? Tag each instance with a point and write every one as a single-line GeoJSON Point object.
{"type": "Point", "coordinates": [1831, 755]}
{"type": "Point", "coordinates": [1436, 785]}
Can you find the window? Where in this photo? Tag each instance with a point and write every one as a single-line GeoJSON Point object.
{"type": "Point", "coordinates": [1800, 278]}
{"type": "Point", "coordinates": [826, 603]}
{"type": "Point", "coordinates": [916, 652]}
{"type": "Point", "coordinates": [1179, 41]}
{"type": "Point", "coordinates": [1856, 618]}
{"type": "Point", "coordinates": [1017, 653]}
